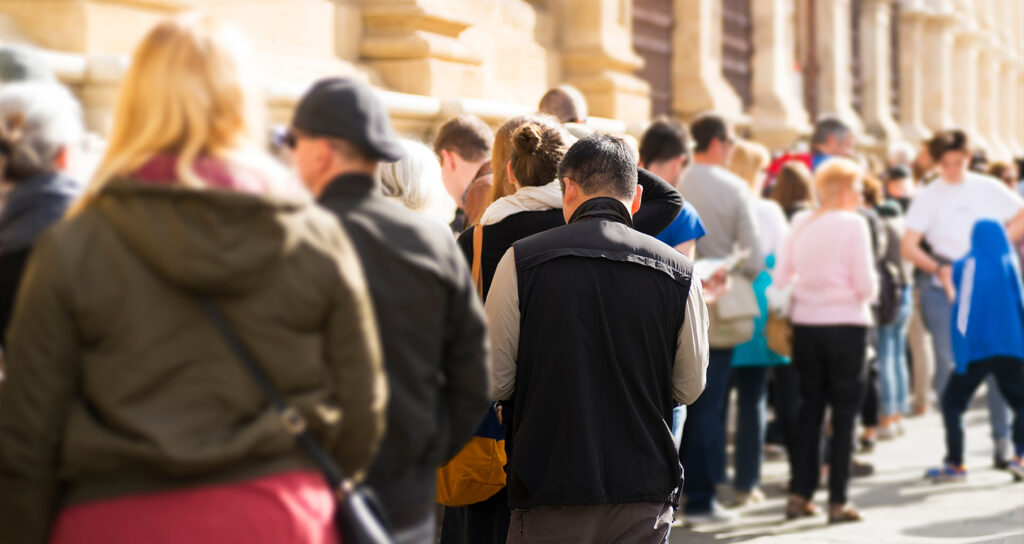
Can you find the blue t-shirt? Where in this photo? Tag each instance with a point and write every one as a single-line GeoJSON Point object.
{"type": "Point", "coordinates": [686, 226]}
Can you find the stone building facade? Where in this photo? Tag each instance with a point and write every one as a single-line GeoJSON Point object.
{"type": "Point", "coordinates": [895, 69]}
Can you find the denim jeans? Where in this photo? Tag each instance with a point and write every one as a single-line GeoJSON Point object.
{"type": "Point", "coordinates": [751, 389]}
{"type": "Point", "coordinates": [703, 445]}
{"type": "Point", "coordinates": [1009, 376]}
{"type": "Point", "coordinates": [937, 312]}
{"type": "Point", "coordinates": [892, 358]}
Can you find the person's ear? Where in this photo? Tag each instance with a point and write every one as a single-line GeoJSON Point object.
{"type": "Point", "coordinates": [571, 190]}
{"type": "Point", "coordinates": [60, 161]}
{"type": "Point", "coordinates": [512, 176]}
{"type": "Point", "coordinates": [446, 160]}
{"type": "Point", "coordinates": [637, 197]}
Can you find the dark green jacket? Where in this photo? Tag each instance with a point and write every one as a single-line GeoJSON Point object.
{"type": "Point", "coordinates": [117, 383]}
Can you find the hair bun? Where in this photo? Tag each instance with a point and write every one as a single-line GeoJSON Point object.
{"type": "Point", "coordinates": [527, 139]}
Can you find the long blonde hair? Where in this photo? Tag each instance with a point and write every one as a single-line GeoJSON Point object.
{"type": "Point", "coordinates": [188, 92]}
{"type": "Point", "coordinates": [747, 161]}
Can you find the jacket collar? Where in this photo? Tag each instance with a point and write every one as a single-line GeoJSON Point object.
{"type": "Point", "coordinates": [602, 207]}
{"type": "Point", "coordinates": [351, 185]}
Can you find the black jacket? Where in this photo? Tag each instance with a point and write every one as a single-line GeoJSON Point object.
{"type": "Point", "coordinates": [660, 205]}
{"type": "Point", "coordinates": [432, 330]}
{"type": "Point", "coordinates": [601, 307]}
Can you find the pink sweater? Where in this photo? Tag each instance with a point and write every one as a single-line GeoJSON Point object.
{"type": "Point", "coordinates": [829, 261]}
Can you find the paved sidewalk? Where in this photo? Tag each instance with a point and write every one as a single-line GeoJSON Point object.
{"type": "Point", "coordinates": [900, 507]}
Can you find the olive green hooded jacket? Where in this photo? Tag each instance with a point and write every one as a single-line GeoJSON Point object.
{"type": "Point", "coordinates": [116, 382]}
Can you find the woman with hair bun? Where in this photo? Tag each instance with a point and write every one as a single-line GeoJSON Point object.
{"type": "Point", "coordinates": [125, 416]}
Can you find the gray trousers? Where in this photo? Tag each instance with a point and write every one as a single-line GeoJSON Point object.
{"type": "Point", "coordinates": [632, 523]}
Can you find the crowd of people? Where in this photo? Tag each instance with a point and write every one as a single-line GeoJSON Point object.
{"type": "Point", "coordinates": [538, 327]}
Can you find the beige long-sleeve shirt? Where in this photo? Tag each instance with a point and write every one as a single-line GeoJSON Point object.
{"type": "Point", "coordinates": [502, 307]}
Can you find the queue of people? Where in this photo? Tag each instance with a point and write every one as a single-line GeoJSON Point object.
{"type": "Point", "coordinates": [572, 306]}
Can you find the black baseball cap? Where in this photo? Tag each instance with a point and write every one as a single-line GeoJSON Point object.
{"type": "Point", "coordinates": [348, 109]}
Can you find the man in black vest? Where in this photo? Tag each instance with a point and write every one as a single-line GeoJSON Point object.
{"type": "Point", "coordinates": [598, 332]}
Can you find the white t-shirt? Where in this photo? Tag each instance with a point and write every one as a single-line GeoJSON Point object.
{"type": "Point", "coordinates": [945, 213]}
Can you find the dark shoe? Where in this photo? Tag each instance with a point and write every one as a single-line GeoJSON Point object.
{"type": "Point", "coordinates": [843, 513]}
{"type": "Point", "coordinates": [867, 445]}
{"type": "Point", "coordinates": [861, 470]}
{"type": "Point", "coordinates": [799, 507]}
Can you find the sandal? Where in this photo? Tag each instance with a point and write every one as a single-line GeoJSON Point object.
{"type": "Point", "coordinates": [799, 507]}
{"type": "Point", "coordinates": [843, 513]}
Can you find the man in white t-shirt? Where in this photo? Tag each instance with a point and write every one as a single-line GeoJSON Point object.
{"type": "Point", "coordinates": [943, 214]}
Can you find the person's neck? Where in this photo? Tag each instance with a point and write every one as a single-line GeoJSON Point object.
{"type": "Point", "coordinates": [318, 186]}
{"type": "Point", "coordinates": [957, 181]}
{"type": "Point", "coordinates": [706, 159]}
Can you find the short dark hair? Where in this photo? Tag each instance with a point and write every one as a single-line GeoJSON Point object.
{"type": "Point", "coordinates": [829, 126]}
{"type": "Point", "coordinates": [945, 141]}
{"type": "Point", "coordinates": [664, 140]}
{"type": "Point", "coordinates": [600, 163]}
{"type": "Point", "coordinates": [566, 103]}
{"type": "Point", "coordinates": [467, 135]}
{"type": "Point", "coordinates": [706, 129]}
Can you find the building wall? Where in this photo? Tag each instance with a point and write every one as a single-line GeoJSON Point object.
{"type": "Point", "coordinates": [770, 65]}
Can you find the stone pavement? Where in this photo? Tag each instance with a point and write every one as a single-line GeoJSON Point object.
{"type": "Point", "coordinates": [899, 506]}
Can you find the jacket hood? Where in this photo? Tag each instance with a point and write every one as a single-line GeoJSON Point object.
{"type": "Point", "coordinates": [989, 240]}
{"type": "Point", "coordinates": [208, 241]}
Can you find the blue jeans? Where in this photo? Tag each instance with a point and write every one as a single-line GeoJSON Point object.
{"type": "Point", "coordinates": [703, 446]}
{"type": "Point", "coordinates": [751, 389]}
{"type": "Point", "coordinates": [892, 358]}
{"type": "Point", "coordinates": [937, 312]}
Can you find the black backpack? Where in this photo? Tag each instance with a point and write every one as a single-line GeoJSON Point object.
{"type": "Point", "coordinates": [885, 243]}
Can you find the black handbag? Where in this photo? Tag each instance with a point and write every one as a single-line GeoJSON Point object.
{"type": "Point", "coordinates": [358, 515]}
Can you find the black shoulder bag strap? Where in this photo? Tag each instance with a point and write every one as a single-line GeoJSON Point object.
{"type": "Point", "coordinates": [359, 519]}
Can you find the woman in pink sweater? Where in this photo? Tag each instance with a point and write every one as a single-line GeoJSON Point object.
{"type": "Point", "coordinates": [827, 260]}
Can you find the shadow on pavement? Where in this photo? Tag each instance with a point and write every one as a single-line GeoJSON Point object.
{"type": "Point", "coordinates": [1010, 521]}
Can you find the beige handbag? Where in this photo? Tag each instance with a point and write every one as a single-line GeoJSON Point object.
{"type": "Point", "coordinates": [732, 316]}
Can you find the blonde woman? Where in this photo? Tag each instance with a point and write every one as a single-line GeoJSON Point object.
{"type": "Point", "coordinates": [125, 417]}
{"type": "Point", "coordinates": [827, 257]}
{"type": "Point", "coordinates": [752, 360]}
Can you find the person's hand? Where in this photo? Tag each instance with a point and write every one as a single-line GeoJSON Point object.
{"type": "Point", "coordinates": [945, 275]}
{"type": "Point", "coordinates": [497, 409]}
{"type": "Point", "coordinates": [715, 287]}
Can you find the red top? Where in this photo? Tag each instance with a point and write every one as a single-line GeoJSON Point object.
{"type": "Point", "coordinates": [292, 507]}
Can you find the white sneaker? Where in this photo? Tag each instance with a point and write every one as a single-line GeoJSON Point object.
{"type": "Point", "coordinates": [717, 516]}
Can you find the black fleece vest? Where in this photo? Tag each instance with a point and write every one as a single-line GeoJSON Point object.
{"type": "Point", "coordinates": [601, 307]}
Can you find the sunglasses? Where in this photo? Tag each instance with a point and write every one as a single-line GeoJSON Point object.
{"type": "Point", "coordinates": [289, 140]}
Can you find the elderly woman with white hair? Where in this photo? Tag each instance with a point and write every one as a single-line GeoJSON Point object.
{"type": "Point", "coordinates": [40, 123]}
{"type": "Point", "coordinates": [415, 182]}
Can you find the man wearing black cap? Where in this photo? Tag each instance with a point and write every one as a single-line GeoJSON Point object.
{"type": "Point", "coordinates": [430, 319]}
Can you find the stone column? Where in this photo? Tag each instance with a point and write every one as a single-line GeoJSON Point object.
{"type": "Point", "coordinates": [989, 105]}
{"type": "Point", "coordinates": [835, 82]}
{"type": "Point", "coordinates": [875, 18]}
{"type": "Point", "coordinates": [697, 81]}
{"type": "Point", "coordinates": [911, 29]}
{"type": "Point", "coordinates": [598, 58]}
{"type": "Point", "coordinates": [937, 57]}
{"type": "Point", "coordinates": [777, 115]}
{"type": "Point", "coordinates": [966, 52]}
{"type": "Point", "coordinates": [1011, 107]}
